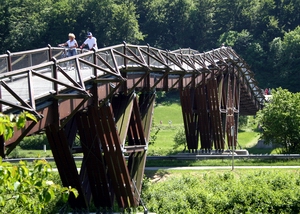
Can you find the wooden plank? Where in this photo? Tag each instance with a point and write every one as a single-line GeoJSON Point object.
{"type": "Point", "coordinates": [146, 103]}
{"type": "Point", "coordinates": [122, 107]}
{"type": "Point", "coordinates": [218, 121]}
{"type": "Point", "coordinates": [99, 121]}
{"type": "Point", "coordinates": [203, 113]}
{"type": "Point", "coordinates": [120, 163]}
{"type": "Point", "coordinates": [94, 162]}
{"type": "Point", "coordinates": [66, 165]}
{"type": "Point", "coordinates": [71, 131]}
{"type": "Point", "coordinates": [136, 167]}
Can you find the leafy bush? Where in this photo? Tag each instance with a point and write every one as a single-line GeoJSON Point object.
{"type": "Point", "coordinates": [154, 132]}
{"type": "Point", "coordinates": [35, 142]}
{"type": "Point", "coordinates": [25, 190]}
{"type": "Point", "coordinates": [180, 138]}
{"type": "Point", "coordinates": [243, 121]}
{"type": "Point", "coordinates": [251, 192]}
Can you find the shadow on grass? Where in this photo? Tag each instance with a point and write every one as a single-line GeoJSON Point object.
{"type": "Point", "coordinates": [156, 174]}
{"type": "Point", "coordinates": [254, 150]}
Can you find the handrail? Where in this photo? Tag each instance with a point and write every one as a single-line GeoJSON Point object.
{"type": "Point", "coordinates": [29, 51]}
{"type": "Point", "coordinates": [174, 62]}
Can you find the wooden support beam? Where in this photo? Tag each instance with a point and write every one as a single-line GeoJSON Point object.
{"type": "Point", "coordinates": [94, 162]}
{"type": "Point", "coordinates": [103, 120]}
{"type": "Point", "coordinates": [122, 106]}
{"type": "Point", "coordinates": [190, 118]}
{"type": "Point", "coordinates": [66, 165]}
{"type": "Point", "coordinates": [203, 114]}
{"type": "Point", "coordinates": [215, 114]}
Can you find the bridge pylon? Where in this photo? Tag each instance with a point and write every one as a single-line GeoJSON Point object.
{"type": "Point", "coordinates": [210, 110]}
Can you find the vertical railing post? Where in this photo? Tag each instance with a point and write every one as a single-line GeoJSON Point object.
{"type": "Point", "coordinates": [55, 92]}
{"type": "Point", "coordinates": [2, 147]}
{"type": "Point", "coordinates": [124, 52]}
{"type": "Point", "coordinates": [124, 74]}
{"type": "Point", "coordinates": [30, 59]}
{"type": "Point", "coordinates": [95, 84]}
{"type": "Point", "coordinates": [49, 52]}
{"type": "Point", "coordinates": [148, 56]}
{"type": "Point", "coordinates": [9, 63]}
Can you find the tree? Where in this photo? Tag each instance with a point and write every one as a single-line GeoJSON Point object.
{"type": "Point", "coordinates": [285, 54]}
{"type": "Point", "coordinates": [280, 120]}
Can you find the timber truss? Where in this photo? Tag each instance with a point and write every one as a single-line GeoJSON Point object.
{"type": "Point", "coordinates": [105, 99]}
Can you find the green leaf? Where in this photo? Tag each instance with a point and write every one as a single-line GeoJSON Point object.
{"type": "Point", "coordinates": [38, 183]}
{"type": "Point", "coordinates": [8, 133]}
{"type": "Point", "coordinates": [74, 191]}
{"type": "Point", "coordinates": [30, 116]}
{"type": "Point", "coordinates": [21, 122]}
{"type": "Point", "coordinates": [25, 171]}
{"type": "Point", "coordinates": [65, 197]}
{"type": "Point", "coordinates": [23, 198]}
{"type": "Point", "coordinates": [2, 202]}
{"type": "Point", "coordinates": [2, 128]}
{"type": "Point", "coordinates": [47, 195]}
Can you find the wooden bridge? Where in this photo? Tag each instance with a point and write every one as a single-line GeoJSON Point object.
{"type": "Point", "coordinates": [106, 98]}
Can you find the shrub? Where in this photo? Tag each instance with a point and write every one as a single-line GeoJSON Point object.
{"type": "Point", "coordinates": [250, 192]}
{"type": "Point", "coordinates": [25, 190]}
{"type": "Point", "coordinates": [180, 139]}
{"type": "Point", "coordinates": [35, 142]}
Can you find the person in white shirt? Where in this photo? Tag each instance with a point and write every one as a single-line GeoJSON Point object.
{"type": "Point", "coordinates": [91, 42]}
{"type": "Point", "coordinates": [72, 45]}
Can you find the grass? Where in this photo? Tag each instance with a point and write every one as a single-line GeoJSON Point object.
{"type": "Point", "coordinates": [164, 144]}
{"type": "Point", "coordinates": [18, 152]}
{"type": "Point", "coordinates": [168, 113]}
{"type": "Point", "coordinates": [247, 139]}
{"type": "Point", "coordinates": [223, 162]}
{"type": "Point", "coordinates": [213, 162]}
{"type": "Point", "coordinates": [167, 173]}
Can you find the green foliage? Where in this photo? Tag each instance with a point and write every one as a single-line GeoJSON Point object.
{"type": "Point", "coordinates": [180, 138]}
{"type": "Point", "coordinates": [243, 121]}
{"type": "Point", "coordinates": [154, 132]}
{"type": "Point", "coordinates": [35, 142]}
{"type": "Point", "coordinates": [9, 122]}
{"type": "Point", "coordinates": [26, 190]}
{"type": "Point", "coordinates": [280, 120]}
{"type": "Point", "coordinates": [228, 192]}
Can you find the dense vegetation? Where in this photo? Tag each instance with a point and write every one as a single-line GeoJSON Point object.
{"type": "Point", "coordinates": [264, 32]}
{"type": "Point", "coordinates": [251, 191]}
{"type": "Point", "coordinates": [283, 108]}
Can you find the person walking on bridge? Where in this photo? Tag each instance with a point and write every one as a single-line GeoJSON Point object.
{"type": "Point", "coordinates": [72, 45]}
{"type": "Point", "coordinates": [91, 42]}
